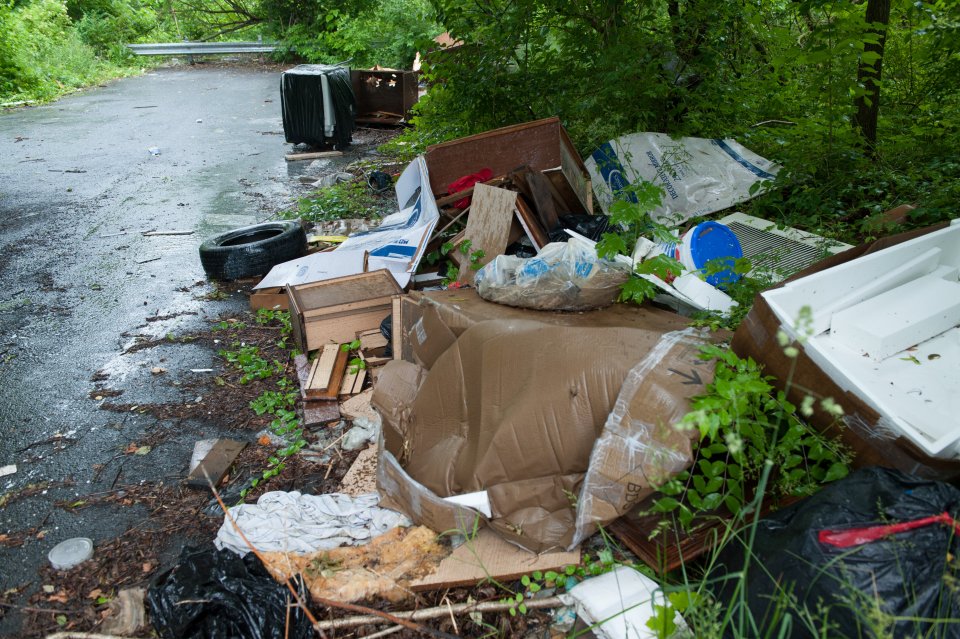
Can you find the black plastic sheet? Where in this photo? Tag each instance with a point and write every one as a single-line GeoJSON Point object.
{"type": "Point", "coordinates": [216, 594]}
{"type": "Point", "coordinates": [911, 576]}
{"type": "Point", "coordinates": [301, 101]}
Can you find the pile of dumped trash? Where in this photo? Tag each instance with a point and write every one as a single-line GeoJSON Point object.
{"type": "Point", "coordinates": [508, 402]}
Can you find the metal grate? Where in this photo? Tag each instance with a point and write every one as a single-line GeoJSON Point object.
{"type": "Point", "coordinates": [774, 253]}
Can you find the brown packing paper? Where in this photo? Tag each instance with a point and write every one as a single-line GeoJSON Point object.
{"type": "Point", "coordinates": [515, 406]}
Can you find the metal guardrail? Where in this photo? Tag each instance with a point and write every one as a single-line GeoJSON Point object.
{"type": "Point", "coordinates": [201, 48]}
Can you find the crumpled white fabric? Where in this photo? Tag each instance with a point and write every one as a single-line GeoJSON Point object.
{"type": "Point", "coordinates": [293, 522]}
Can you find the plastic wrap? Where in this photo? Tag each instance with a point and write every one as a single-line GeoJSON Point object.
{"type": "Point", "coordinates": [564, 276]}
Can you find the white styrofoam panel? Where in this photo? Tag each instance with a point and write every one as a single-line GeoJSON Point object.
{"type": "Point", "coordinates": [917, 391]}
{"type": "Point", "coordinates": [893, 321]}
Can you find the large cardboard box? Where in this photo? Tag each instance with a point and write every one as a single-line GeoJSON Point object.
{"type": "Point", "coordinates": [335, 310]}
{"type": "Point", "coordinates": [543, 145]}
{"type": "Point", "coordinates": [862, 428]}
{"type": "Point", "coordinates": [532, 408]}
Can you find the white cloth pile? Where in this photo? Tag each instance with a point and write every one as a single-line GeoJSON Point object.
{"type": "Point", "coordinates": [293, 522]}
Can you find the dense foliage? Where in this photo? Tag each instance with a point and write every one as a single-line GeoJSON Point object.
{"type": "Point", "coordinates": [785, 78]}
{"type": "Point", "coordinates": [48, 47]}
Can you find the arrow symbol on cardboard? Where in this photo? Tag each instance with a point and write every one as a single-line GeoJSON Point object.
{"type": "Point", "coordinates": [693, 379]}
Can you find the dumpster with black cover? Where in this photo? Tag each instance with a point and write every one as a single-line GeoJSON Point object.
{"type": "Point", "coordinates": [318, 105]}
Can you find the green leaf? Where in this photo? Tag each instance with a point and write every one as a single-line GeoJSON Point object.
{"type": "Point", "coordinates": [836, 471]}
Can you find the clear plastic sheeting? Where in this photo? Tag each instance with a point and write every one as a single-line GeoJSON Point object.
{"type": "Point", "coordinates": [564, 276]}
{"type": "Point", "coordinates": [639, 447]}
{"type": "Point", "coordinates": [293, 522]}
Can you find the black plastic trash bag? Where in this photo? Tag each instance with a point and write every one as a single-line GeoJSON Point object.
{"type": "Point", "coordinates": [876, 541]}
{"type": "Point", "coordinates": [229, 598]}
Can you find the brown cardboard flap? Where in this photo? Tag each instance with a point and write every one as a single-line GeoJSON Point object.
{"type": "Point", "coordinates": [515, 406]}
{"type": "Point", "coordinates": [430, 337]}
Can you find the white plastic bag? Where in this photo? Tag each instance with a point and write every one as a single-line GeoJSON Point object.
{"type": "Point", "coordinates": [698, 176]}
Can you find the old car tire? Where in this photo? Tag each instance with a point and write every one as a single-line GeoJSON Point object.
{"type": "Point", "coordinates": [252, 250]}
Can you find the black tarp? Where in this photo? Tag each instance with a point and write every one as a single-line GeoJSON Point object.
{"type": "Point", "coordinates": [301, 101]}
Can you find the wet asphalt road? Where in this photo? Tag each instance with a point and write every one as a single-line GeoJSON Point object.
{"type": "Point", "coordinates": [78, 186]}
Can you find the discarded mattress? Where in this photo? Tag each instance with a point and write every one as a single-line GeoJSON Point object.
{"type": "Point", "coordinates": [698, 176]}
{"type": "Point", "coordinates": [293, 522]}
{"type": "Point", "coordinates": [514, 407]}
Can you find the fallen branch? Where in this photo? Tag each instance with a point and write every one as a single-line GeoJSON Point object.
{"type": "Point", "coordinates": [158, 233]}
{"type": "Point", "coordinates": [442, 611]}
{"type": "Point", "coordinates": [785, 122]}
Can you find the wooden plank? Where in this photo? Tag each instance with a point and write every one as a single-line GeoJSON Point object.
{"type": "Point", "coordinates": [489, 556]}
{"type": "Point", "coordinates": [488, 227]}
{"type": "Point", "coordinates": [536, 189]}
{"type": "Point", "coordinates": [322, 369]}
{"type": "Point", "coordinates": [345, 290]}
{"type": "Point", "coordinates": [371, 339]}
{"type": "Point", "coordinates": [396, 325]}
{"type": "Point", "coordinates": [358, 384]}
{"type": "Point", "coordinates": [293, 157]}
{"type": "Point", "coordinates": [351, 308]}
{"type": "Point", "coordinates": [332, 389]}
{"type": "Point", "coordinates": [531, 226]}
{"type": "Point", "coordinates": [346, 386]}
{"type": "Point", "coordinates": [216, 463]}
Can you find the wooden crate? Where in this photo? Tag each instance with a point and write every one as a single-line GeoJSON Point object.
{"type": "Point", "coordinates": [335, 310]}
{"type": "Point", "coordinates": [387, 91]}
{"type": "Point", "coordinates": [543, 145]}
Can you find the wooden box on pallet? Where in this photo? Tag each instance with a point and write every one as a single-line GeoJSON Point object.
{"type": "Point", "coordinates": [334, 310]}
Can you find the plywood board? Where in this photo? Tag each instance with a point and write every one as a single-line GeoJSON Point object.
{"type": "Point", "coordinates": [342, 327]}
{"type": "Point", "coordinates": [359, 406]}
{"type": "Point", "coordinates": [488, 227]}
{"type": "Point", "coordinates": [489, 556]}
{"type": "Point", "coordinates": [536, 144]}
{"type": "Point", "coordinates": [371, 339]}
{"type": "Point", "coordinates": [216, 463]}
{"type": "Point", "coordinates": [531, 226]}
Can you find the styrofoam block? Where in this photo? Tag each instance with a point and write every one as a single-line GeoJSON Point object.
{"type": "Point", "coordinates": [618, 604]}
{"type": "Point", "coordinates": [893, 321]}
